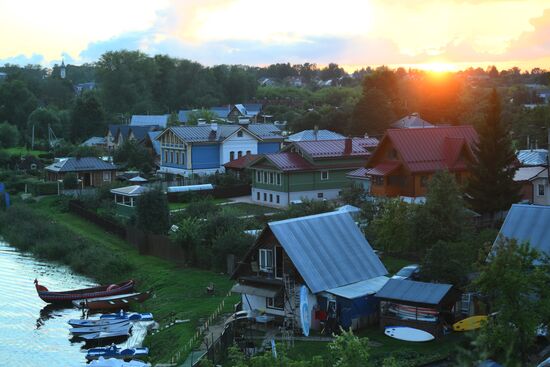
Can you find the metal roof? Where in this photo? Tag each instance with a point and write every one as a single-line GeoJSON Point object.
{"type": "Point", "coordinates": [426, 150]}
{"type": "Point", "coordinates": [528, 173]}
{"type": "Point", "coordinates": [265, 131]}
{"type": "Point", "coordinates": [412, 291]}
{"type": "Point", "coordinates": [328, 250]}
{"type": "Point", "coordinates": [262, 291]}
{"type": "Point", "coordinates": [243, 162]}
{"type": "Point", "coordinates": [384, 168]}
{"type": "Point", "coordinates": [156, 144]}
{"type": "Point", "coordinates": [148, 120]}
{"type": "Point", "coordinates": [206, 133]}
{"type": "Point", "coordinates": [528, 223]}
{"type": "Point", "coordinates": [73, 164]}
{"type": "Point", "coordinates": [360, 289]}
{"type": "Point", "coordinates": [358, 173]}
{"type": "Point", "coordinates": [94, 140]}
{"type": "Point", "coordinates": [140, 132]}
{"type": "Point", "coordinates": [360, 147]}
{"type": "Point", "coordinates": [289, 161]}
{"type": "Point", "coordinates": [134, 190]}
{"type": "Point", "coordinates": [312, 135]}
{"type": "Point", "coordinates": [533, 157]}
{"type": "Point", "coordinates": [411, 121]}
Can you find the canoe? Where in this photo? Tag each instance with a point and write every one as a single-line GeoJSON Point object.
{"type": "Point", "coordinates": [408, 334]}
{"type": "Point", "coordinates": [470, 323]}
{"type": "Point", "coordinates": [118, 302]}
{"type": "Point", "coordinates": [95, 329]}
{"type": "Point", "coordinates": [132, 316]}
{"type": "Point", "coordinates": [95, 322]}
{"type": "Point", "coordinates": [115, 352]}
{"type": "Point", "coordinates": [86, 293]}
{"type": "Point", "coordinates": [112, 362]}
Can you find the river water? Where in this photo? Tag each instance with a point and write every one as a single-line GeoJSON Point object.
{"type": "Point", "coordinates": [31, 332]}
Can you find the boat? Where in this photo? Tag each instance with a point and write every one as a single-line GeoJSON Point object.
{"type": "Point", "coordinates": [470, 323]}
{"type": "Point", "coordinates": [113, 362]}
{"type": "Point", "coordinates": [132, 316]}
{"type": "Point", "coordinates": [115, 352]}
{"type": "Point", "coordinates": [408, 334]}
{"type": "Point", "coordinates": [115, 334]}
{"type": "Point", "coordinates": [86, 293]}
{"type": "Point", "coordinates": [114, 302]}
{"type": "Point", "coordinates": [95, 322]}
{"type": "Point", "coordinates": [95, 329]}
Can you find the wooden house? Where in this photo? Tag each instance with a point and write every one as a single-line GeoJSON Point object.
{"type": "Point", "coordinates": [90, 171]}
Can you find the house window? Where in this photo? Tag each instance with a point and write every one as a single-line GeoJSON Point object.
{"type": "Point", "coordinates": [240, 133]}
{"type": "Point", "coordinates": [258, 195]}
{"type": "Point", "coordinates": [276, 302]}
{"type": "Point", "coordinates": [258, 176]}
{"type": "Point", "coordinates": [106, 176]}
{"type": "Point", "coordinates": [541, 189]}
{"type": "Point", "coordinates": [177, 157]}
{"type": "Point", "coordinates": [278, 199]}
{"type": "Point", "coordinates": [324, 175]}
{"type": "Point", "coordinates": [270, 198]}
{"type": "Point", "coordinates": [171, 156]}
{"type": "Point", "coordinates": [265, 196]}
{"type": "Point", "coordinates": [240, 154]}
{"type": "Point", "coordinates": [423, 181]}
{"type": "Point", "coordinates": [265, 177]}
{"type": "Point", "coordinates": [165, 156]}
{"type": "Point", "coordinates": [231, 156]}
{"type": "Point", "coordinates": [278, 179]}
{"type": "Point", "coordinates": [271, 179]}
{"type": "Point", "coordinates": [378, 180]}
{"type": "Point", "coordinates": [320, 195]}
{"type": "Point", "coordinates": [266, 260]}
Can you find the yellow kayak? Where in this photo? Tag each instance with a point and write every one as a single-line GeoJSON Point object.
{"type": "Point", "coordinates": [470, 323]}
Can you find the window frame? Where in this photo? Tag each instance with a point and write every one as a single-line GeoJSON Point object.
{"type": "Point", "coordinates": [323, 174]}
{"type": "Point", "coordinates": [539, 187]}
{"type": "Point", "coordinates": [108, 176]}
{"type": "Point", "coordinates": [265, 255]}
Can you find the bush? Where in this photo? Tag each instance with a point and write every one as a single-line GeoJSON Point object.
{"type": "Point", "coordinates": [152, 213]}
{"type": "Point", "coordinates": [70, 181]}
{"type": "Point", "coordinates": [38, 188]}
{"type": "Point", "coordinates": [9, 135]}
{"type": "Point", "coordinates": [201, 208]}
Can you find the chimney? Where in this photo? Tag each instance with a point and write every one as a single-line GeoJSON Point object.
{"type": "Point", "coordinates": [315, 132]}
{"type": "Point", "coordinates": [347, 146]}
{"type": "Point", "coordinates": [214, 126]}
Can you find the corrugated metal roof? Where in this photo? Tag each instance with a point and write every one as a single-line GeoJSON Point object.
{"type": "Point", "coordinates": [265, 131]}
{"type": "Point", "coordinates": [360, 147]}
{"type": "Point", "coordinates": [528, 223]}
{"type": "Point", "coordinates": [140, 132]}
{"type": "Point", "coordinates": [412, 291]}
{"type": "Point", "coordinates": [134, 190]}
{"type": "Point", "coordinates": [242, 162]}
{"type": "Point", "coordinates": [310, 135]}
{"type": "Point", "coordinates": [425, 150]}
{"type": "Point", "coordinates": [533, 157]}
{"type": "Point", "coordinates": [360, 289]}
{"type": "Point", "coordinates": [328, 250]}
{"type": "Point", "coordinates": [80, 164]}
{"type": "Point", "coordinates": [383, 169]}
{"type": "Point", "coordinates": [358, 173]}
{"type": "Point", "coordinates": [156, 144]}
{"type": "Point", "coordinates": [94, 140]}
{"type": "Point", "coordinates": [205, 133]}
{"type": "Point", "coordinates": [528, 173]}
{"type": "Point", "coordinates": [289, 161]}
{"type": "Point", "coordinates": [148, 120]}
{"type": "Point", "coordinates": [411, 121]}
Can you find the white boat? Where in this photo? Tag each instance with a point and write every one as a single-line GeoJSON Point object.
{"type": "Point", "coordinates": [96, 329]}
{"type": "Point", "coordinates": [133, 316]}
{"type": "Point", "coordinates": [408, 334]}
{"type": "Point", "coordinates": [113, 334]}
{"type": "Point", "coordinates": [95, 322]}
{"type": "Point", "coordinates": [113, 362]}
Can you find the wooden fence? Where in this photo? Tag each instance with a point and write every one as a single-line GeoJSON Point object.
{"type": "Point", "coordinates": [77, 208]}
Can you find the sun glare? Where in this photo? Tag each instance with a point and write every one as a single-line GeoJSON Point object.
{"type": "Point", "coordinates": [439, 67]}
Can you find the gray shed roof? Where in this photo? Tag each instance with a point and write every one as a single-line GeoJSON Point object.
{"type": "Point", "coordinates": [94, 140]}
{"type": "Point", "coordinates": [411, 121]}
{"type": "Point", "coordinates": [80, 164]}
{"type": "Point", "coordinates": [412, 291]}
{"type": "Point", "coordinates": [265, 131]}
{"type": "Point", "coordinates": [328, 250]}
{"type": "Point", "coordinates": [134, 190]}
{"type": "Point", "coordinates": [360, 289]}
{"type": "Point", "coordinates": [149, 120]}
{"type": "Point", "coordinates": [308, 135]}
{"type": "Point", "coordinates": [205, 133]}
{"type": "Point", "coordinates": [533, 157]}
{"type": "Point", "coordinates": [528, 223]}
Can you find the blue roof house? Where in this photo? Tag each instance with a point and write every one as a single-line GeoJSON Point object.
{"type": "Point", "coordinates": [204, 149]}
{"type": "Point", "coordinates": [327, 258]}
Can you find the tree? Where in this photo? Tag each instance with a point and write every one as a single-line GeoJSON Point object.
{"type": "Point", "coordinates": [349, 350]}
{"type": "Point", "coordinates": [9, 135]}
{"type": "Point", "coordinates": [515, 281]}
{"type": "Point", "coordinates": [190, 236]}
{"type": "Point", "coordinates": [41, 119]}
{"type": "Point", "coordinates": [373, 114]}
{"type": "Point", "coordinates": [152, 213]}
{"type": "Point", "coordinates": [16, 103]}
{"type": "Point", "coordinates": [491, 186]}
{"type": "Point", "coordinates": [87, 117]}
{"type": "Point", "coordinates": [133, 155]}
{"type": "Point", "coordinates": [393, 227]}
{"type": "Point", "coordinates": [448, 262]}
{"type": "Point", "coordinates": [70, 181]}
{"type": "Point", "coordinates": [204, 114]}
{"type": "Point", "coordinates": [353, 195]}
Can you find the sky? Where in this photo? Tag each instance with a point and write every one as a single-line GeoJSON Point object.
{"type": "Point", "coordinates": [430, 34]}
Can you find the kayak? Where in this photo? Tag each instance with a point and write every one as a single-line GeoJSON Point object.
{"type": "Point", "coordinates": [115, 352]}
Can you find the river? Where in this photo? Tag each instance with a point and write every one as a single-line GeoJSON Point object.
{"type": "Point", "coordinates": [31, 332]}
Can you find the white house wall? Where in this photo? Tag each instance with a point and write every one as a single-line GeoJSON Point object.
{"type": "Point", "coordinates": [541, 199]}
{"type": "Point", "coordinates": [235, 144]}
{"type": "Point", "coordinates": [258, 303]}
{"type": "Point", "coordinates": [285, 198]}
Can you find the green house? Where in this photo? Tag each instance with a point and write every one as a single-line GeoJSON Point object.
{"type": "Point", "coordinates": [314, 170]}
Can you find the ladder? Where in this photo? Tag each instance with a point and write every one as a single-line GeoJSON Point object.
{"type": "Point", "coordinates": [289, 323]}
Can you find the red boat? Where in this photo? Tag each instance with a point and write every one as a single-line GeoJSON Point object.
{"type": "Point", "coordinates": [118, 302]}
{"type": "Point", "coordinates": [87, 293]}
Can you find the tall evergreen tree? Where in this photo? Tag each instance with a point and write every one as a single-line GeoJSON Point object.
{"type": "Point", "coordinates": [491, 187]}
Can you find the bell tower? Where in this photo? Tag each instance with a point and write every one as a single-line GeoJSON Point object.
{"type": "Point", "coordinates": [62, 71]}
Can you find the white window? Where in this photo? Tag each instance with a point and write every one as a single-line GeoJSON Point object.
{"type": "Point", "coordinates": [107, 176]}
{"type": "Point", "coordinates": [266, 260]}
{"type": "Point", "coordinates": [541, 190]}
{"type": "Point", "coordinates": [324, 175]}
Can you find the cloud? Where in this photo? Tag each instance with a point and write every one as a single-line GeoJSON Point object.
{"type": "Point", "coordinates": [34, 59]}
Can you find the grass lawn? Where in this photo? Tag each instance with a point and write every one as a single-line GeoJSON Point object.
{"type": "Point", "coordinates": [23, 151]}
{"type": "Point", "coordinates": [178, 292]}
{"type": "Point", "coordinates": [175, 206]}
{"type": "Point", "coordinates": [251, 209]}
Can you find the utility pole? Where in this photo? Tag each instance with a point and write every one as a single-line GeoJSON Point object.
{"type": "Point", "coordinates": [32, 139]}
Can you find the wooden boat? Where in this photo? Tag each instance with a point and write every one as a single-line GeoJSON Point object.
{"type": "Point", "coordinates": [115, 352]}
{"type": "Point", "coordinates": [132, 316]}
{"type": "Point", "coordinates": [121, 301]}
{"type": "Point", "coordinates": [95, 322]}
{"type": "Point", "coordinates": [87, 293]}
{"type": "Point", "coordinates": [95, 329]}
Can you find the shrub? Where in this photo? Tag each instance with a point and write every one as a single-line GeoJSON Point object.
{"type": "Point", "coordinates": [152, 213]}
{"type": "Point", "coordinates": [201, 208]}
{"type": "Point", "coordinates": [70, 181]}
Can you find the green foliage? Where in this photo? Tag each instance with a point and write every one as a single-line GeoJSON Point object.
{"type": "Point", "coordinates": [353, 195]}
{"type": "Point", "coordinates": [152, 212]}
{"type": "Point", "coordinates": [515, 281]}
{"type": "Point", "coordinates": [9, 135]}
{"type": "Point", "coordinates": [203, 114]}
{"type": "Point", "coordinates": [133, 156]}
{"type": "Point", "coordinates": [81, 151]}
{"type": "Point", "coordinates": [307, 207]}
{"type": "Point", "coordinates": [16, 103]}
{"type": "Point", "coordinates": [190, 237]}
{"type": "Point", "coordinates": [87, 117]}
{"type": "Point", "coordinates": [491, 186]}
{"type": "Point", "coordinates": [41, 119]}
{"type": "Point", "coordinates": [348, 350]}
{"type": "Point", "coordinates": [201, 207]}
{"type": "Point", "coordinates": [393, 227]}
{"type": "Point", "coordinates": [70, 181]}
{"type": "Point", "coordinates": [449, 262]}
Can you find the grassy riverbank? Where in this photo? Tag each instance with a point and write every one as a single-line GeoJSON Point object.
{"type": "Point", "coordinates": [44, 229]}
